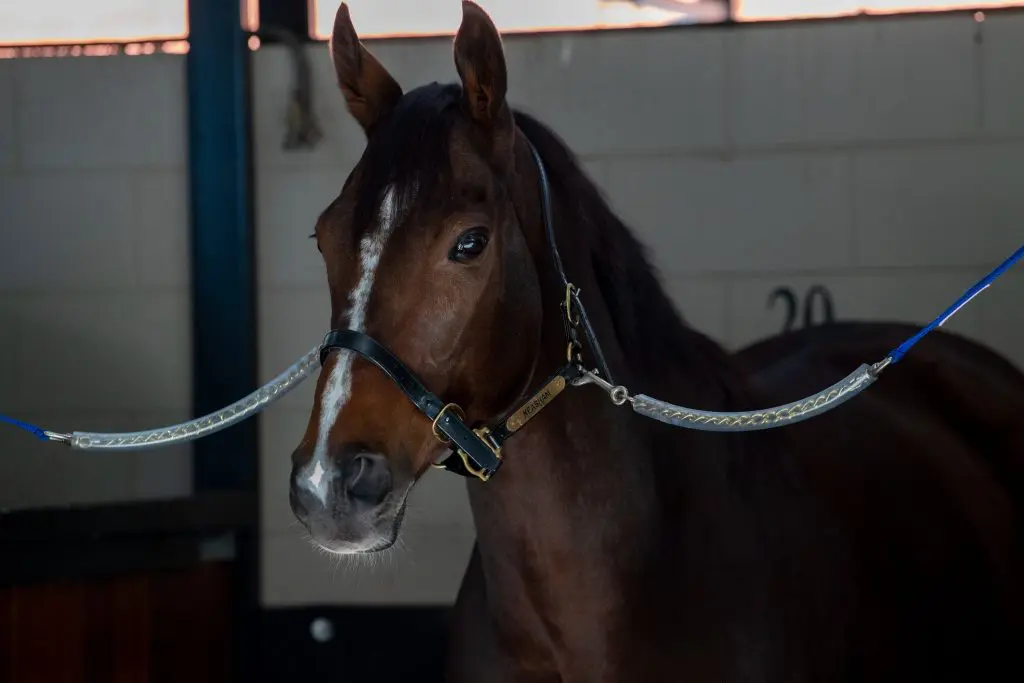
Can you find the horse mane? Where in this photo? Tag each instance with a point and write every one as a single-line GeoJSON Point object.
{"type": "Point", "coordinates": [651, 331]}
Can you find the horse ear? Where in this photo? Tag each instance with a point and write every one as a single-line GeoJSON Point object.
{"type": "Point", "coordinates": [370, 91]}
{"type": "Point", "coordinates": [480, 61]}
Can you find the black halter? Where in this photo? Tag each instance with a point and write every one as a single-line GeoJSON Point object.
{"type": "Point", "coordinates": [479, 450]}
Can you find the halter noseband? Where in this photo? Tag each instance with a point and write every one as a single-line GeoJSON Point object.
{"type": "Point", "coordinates": [478, 450]}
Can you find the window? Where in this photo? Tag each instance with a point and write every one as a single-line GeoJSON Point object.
{"type": "Point", "coordinates": [150, 25]}
{"type": "Point", "coordinates": [393, 18]}
{"type": "Point", "coordinates": [59, 22]}
{"type": "Point", "coordinates": [760, 10]}
{"type": "Point", "coordinates": [396, 18]}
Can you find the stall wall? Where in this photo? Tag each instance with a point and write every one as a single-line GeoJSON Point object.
{"type": "Point", "coordinates": [95, 327]}
{"type": "Point", "coordinates": [878, 158]}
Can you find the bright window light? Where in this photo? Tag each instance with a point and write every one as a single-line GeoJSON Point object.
{"type": "Point", "coordinates": [104, 22]}
{"type": "Point", "coordinates": [395, 18]}
{"type": "Point", "coordinates": [59, 22]}
{"type": "Point", "coordinates": [762, 10]}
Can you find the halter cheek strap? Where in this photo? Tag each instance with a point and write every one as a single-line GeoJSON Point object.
{"type": "Point", "coordinates": [480, 455]}
{"type": "Point", "coordinates": [574, 314]}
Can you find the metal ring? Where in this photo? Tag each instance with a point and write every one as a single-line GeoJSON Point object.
{"type": "Point", "coordinates": [619, 395]}
{"type": "Point", "coordinates": [569, 287]}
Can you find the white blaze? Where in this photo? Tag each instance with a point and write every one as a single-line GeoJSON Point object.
{"type": "Point", "coordinates": [339, 384]}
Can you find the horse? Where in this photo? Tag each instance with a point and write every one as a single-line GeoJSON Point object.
{"type": "Point", "coordinates": [876, 543]}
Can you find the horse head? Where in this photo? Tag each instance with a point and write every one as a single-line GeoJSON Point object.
{"type": "Point", "coordinates": [426, 252]}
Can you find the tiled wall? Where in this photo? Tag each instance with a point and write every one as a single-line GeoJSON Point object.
{"type": "Point", "coordinates": [878, 158]}
{"type": "Point", "coordinates": [94, 300]}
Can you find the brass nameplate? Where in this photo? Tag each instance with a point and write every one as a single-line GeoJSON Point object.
{"type": "Point", "coordinates": [534, 405]}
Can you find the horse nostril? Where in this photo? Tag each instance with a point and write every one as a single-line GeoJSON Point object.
{"type": "Point", "coordinates": [305, 499]}
{"type": "Point", "coordinates": [367, 478]}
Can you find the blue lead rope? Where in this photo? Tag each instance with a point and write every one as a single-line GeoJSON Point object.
{"type": "Point", "coordinates": [39, 433]}
{"type": "Point", "coordinates": [894, 357]}
{"type": "Point", "coordinates": [974, 291]}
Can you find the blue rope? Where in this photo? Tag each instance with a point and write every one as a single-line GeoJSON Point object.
{"type": "Point", "coordinates": [39, 433]}
{"type": "Point", "coordinates": [974, 291]}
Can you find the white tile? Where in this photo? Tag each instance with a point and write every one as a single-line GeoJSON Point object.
{"type": "Point", "coordinates": [1000, 315]}
{"type": "Point", "coordinates": [747, 214]}
{"type": "Point", "coordinates": [107, 351]}
{"type": "Point", "coordinates": [597, 171]}
{"type": "Point", "coordinates": [666, 93]}
{"type": "Point", "coordinates": [793, 83]}
{"type": "Point", "coordinates": [955, 206]}
{"type": "Point", "coordinates": [427, 568]}
{"type": "Point", "coordinates": [766, 85]}
{"type": "Point", "coordinates": [1003, 50]}
{"type": "Point", "coordinates": [418, 62]}
{"type": "Point", "coordinates": [906, 296]}
{"type": "Point", "coordinates": [273, 75]}
{"type": "Point", "coordinates": [292, 321]}
{"type": "Point", "coordinates": [703, 304]}
{"type": "Point", "coordinates": [8, 134]}
{"type": "Point", "coordinates": [843, 81]}
{"type": "Point", "coordinates": [832, 89]}
{"type": "Point", "coordinates": [916, 78]}
{"type": "Point", "coordinates": [288, 203]}
{"type": "Point", "coordinates": [9, 393]}
{"type": "Point", "coordinates": [115, 111]}
{"type": "Point", "coordinates": [161, 228]}
{"type": "Point", "coordinates": [281, 430]}
{"type": "Point", "coordinates": [72, 229]}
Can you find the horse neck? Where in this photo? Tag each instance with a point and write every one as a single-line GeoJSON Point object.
{"type": "Point", "coordinates": [590, 483]}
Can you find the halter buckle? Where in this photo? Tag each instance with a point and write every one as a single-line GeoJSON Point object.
{"type": "Point", "coordinates": [454, 407]}
{"type": "Point", "coordinates": [572, 293]}
{"type": "Point", "coordinates": [573, 351]}
{"type": "Point", "coordinates": [484, 433]}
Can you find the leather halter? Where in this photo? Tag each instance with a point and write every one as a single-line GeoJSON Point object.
{"type": "Point", "coordinates": [477, 452]}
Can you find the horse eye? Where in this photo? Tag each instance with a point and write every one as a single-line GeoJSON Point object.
{"type": "Point", "coordinates": [469, 245]}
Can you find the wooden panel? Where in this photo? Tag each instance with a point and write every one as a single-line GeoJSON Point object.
{"type": "Point", "coordinates": [119, 623]}
{"type": "Point", "coordinates": [6, 636]}
{"type": "Point", "coordinates": [192, 637]}
{"type": "Point", "coordinates": [49, 630]}
{"type": "Point", "coordinates": [165, 626]}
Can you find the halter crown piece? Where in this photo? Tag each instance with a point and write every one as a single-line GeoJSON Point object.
{"type": "Point", "coordinates": [477, 452]}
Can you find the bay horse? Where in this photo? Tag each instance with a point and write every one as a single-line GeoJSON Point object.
{"type": "Point", "coordinates": [879, 542]}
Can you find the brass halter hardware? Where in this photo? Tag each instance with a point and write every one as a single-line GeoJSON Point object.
{"type": "Point", "coordinates": [482, 432]}
{"type": "Point", "coordinates": [454, 407]}
{"type": "Point", "coordinates": [571, 291]}
{"type": "Point", "coordinates": [573, 349]}
{"type": "Point", "coordinates": [485, 435]}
